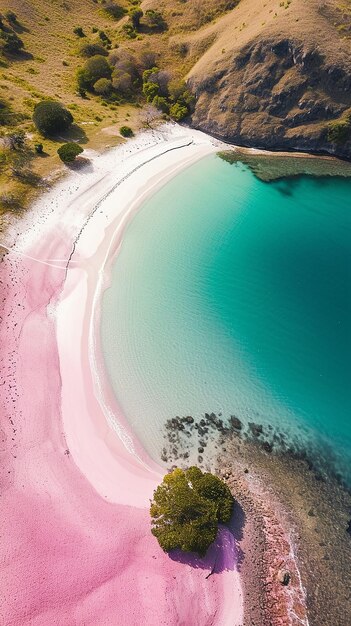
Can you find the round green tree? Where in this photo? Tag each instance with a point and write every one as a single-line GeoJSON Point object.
{"type": "Point", "coordinates": [95, 67]}
{"type": "Point", "coordinates": [103, 86]}
{"type": "Point", "coordinates": [51, 117]}
{"type": "Point", "coordinates": [69, 151]}
{"type": "Point", "coordinates": [187, 508]}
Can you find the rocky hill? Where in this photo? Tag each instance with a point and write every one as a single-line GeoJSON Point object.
{"type": "Point", "coordinates": [278, 76]}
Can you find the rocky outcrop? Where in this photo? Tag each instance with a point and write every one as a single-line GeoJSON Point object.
{"type": "Point", "coordinates": [278, 91]}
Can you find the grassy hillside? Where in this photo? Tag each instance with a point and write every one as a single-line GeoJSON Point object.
{"type": "Point", "coordinates": [46, 67]}
{"type": "Point", "coordinates": [274, 73]}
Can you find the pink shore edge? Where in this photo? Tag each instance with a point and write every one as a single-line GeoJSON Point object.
{"type": "Point", "coordinates": [76, 547]}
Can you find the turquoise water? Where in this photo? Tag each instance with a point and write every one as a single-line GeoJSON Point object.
{"type": "Point", "coordinates": [233, 295]}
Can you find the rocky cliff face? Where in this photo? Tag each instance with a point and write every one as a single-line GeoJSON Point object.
{"type": "Point", "coordinates": [282, 88]}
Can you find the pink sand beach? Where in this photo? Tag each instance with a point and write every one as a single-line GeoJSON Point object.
{"type": "Point", "coordinates": [75, 540]}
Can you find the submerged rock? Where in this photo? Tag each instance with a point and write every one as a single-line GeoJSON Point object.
{"type": "Point", "coordinates": [256, 429]}
{"type": "Point", "coordinates": [235, 423]}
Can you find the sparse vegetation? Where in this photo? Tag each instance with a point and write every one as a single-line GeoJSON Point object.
{"type": "Point", "coordinates": [339, 130]}
{"type": "Point", "coordinates": [187, 508]}
{"type": "Point", "coordinates": [6, 115]}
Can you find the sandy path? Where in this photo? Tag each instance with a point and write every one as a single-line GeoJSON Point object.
{"type": "Point", "coordinates": [75, 541]}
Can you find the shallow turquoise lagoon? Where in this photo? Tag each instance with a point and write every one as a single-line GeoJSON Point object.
{"type": "Point", "coordinates": [233, 295]}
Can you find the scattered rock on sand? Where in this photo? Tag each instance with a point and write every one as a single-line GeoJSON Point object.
{"type": "Point", "coordinates": [284, 577]}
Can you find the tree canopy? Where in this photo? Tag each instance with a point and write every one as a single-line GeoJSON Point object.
{"type": "Point", "coordinates": [95, 67]}
{"type": "Point", "coordinates": [186, 510]}
{"type": "Point", "coordinates": [51, 117]}
{"type": "Point", "coordinates": [69, 151]}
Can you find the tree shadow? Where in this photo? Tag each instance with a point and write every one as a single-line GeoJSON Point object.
{"type": "Point", "coordinates": [81, 163]}
{"type": "Point", "coordinates": [74, 133]}
{"type": "Point", "coordinates": [19, 56]}
{"type": "Point", "coordinates": [19, 28]}
{"type": "Point", "coordinates": [224, 554]}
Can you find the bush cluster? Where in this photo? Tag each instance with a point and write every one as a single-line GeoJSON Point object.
{"type": "Point", "coordinates": [95, 68]}
{"type": "Point", "coordinates": [150, 21]}
{"type": "Point", "coordinates": [171, 97]}
{"type": "Point", "coordinates": [187, 508]}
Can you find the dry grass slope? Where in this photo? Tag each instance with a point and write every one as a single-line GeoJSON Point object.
{"type": "Point", "coordinates": [48, 66]}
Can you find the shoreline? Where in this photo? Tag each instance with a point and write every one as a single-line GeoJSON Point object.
{"type": "Point", "coordinates": [95, 485]}
{"type": "Point", "coordinates": [293, 518]}
{"type": "Point", "coordinates": [99, 523]}
{"type": "Point", "coordinates": [312, 545]}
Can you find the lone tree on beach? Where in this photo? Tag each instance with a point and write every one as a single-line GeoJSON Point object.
{"type": "Point", "coordinates": [187, 508]}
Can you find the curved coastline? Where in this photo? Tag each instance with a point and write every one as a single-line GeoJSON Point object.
{"type": "Point", "coordinates": [86, 529]}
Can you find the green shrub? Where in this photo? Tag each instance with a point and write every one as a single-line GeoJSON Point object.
{"type": "Point", "coordinates": [186, 510]}
{"type": "Point", "coordinates": [155, 20]}
{"type": "Point", "coordinates": [129, 31]}
{"type": "Point", "coordinates": [114, 10]}
{"type": "Point", "coordinates": [79, 31]}
{"type": "Point", "coordinates": [150, 91]}
{"type": "Point", "coordinates": [10, 42]}
{"type": "Point", "coordinates": [126, 131]}
{"type": "Point", "coordinates": [103, 86]}
{"type": "Point", "coordinates": [39, 148]}
{"type": "Point", "coordinates": [69, 151]}
{"type": "Point", "coordinates": [51, 118]}
{"type": "Point", "coordinates": [11, 17]}
{"type": "Point", "coordinates": [104, 38]}
{"type": "Point", "coordinates": [135, 15]}
{"type": "Point", "coordinates": [161, 103]}
{"type": "Point", "coordinates": [92, 49]}
{"type": "Point", "coordinates": [178, 112]}
{"type": "Point", "coordinates": [95, 68]}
